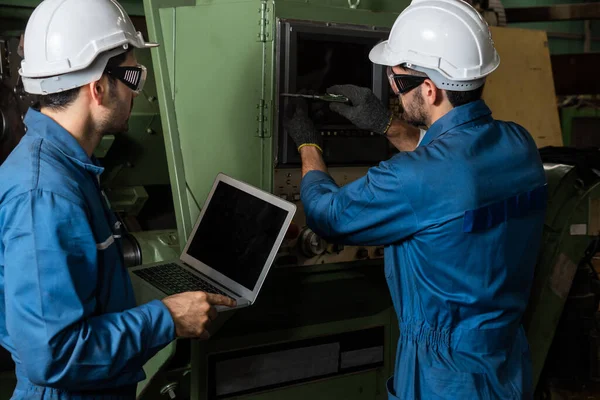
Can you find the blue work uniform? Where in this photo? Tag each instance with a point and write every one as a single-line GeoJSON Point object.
{"type": "Point", "coordinates": [67, 309]}
{"type": "Point", "coordinates": [461, 220]}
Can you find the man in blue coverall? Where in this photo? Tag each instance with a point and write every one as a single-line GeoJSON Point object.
{"type": "Point", "coordinates": [460, 217]}
{"type": "Point", "coordinates": [67, 310]}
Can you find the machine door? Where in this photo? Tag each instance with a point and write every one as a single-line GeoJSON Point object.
{"type": "Point", "coordinates": [218, 87]}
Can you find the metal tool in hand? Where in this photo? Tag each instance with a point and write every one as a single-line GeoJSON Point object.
{"type": "Point", "coordinates": [335, 98]}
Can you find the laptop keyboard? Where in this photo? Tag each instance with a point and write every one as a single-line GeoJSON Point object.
{"type": "Point", "coordinates": [172, 279]}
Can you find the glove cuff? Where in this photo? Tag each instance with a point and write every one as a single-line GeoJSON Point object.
{"type": "Point", "coordinates": [387, 127]}
{"type": "Point", "coordinates": [311, 145]}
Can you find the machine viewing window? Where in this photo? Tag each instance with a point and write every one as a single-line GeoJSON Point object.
{"type": "Point", "coordinates": [323, 64]}
{"type": "Point", "coordinates": [314, 57]}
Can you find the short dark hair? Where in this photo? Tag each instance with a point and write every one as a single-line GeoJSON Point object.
{"type": "Point", "coordinates": [455, 98]}
{"type": "Point", "coordinates": [60, 101]}
{"type": "Point", "coordinates": [461, 98]}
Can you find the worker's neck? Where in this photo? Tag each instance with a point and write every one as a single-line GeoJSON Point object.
{"type": "Point", "coordinates": [439, 111]}
{"type": "Point", "coordinates": [78, 123]}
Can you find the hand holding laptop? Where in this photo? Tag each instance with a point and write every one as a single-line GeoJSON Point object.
{"type": "Point", "coordinates": [193, 312]}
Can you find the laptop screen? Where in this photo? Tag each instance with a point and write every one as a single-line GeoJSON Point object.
{"type": "Point", "coordinates": [236, 234]}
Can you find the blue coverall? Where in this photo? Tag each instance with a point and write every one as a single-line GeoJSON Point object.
{"type": "Point", "coordinates": [461, 220]}
{"type": "Point", "coordinates": [67, 309]}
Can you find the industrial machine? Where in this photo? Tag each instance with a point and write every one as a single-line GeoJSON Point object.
{"type": "Point", "coordinates": [224, 112]}
{"type": "Point", "coordinates": [324, 326]}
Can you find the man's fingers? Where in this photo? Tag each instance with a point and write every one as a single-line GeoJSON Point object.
{"type": "Point", "coordinates": [212, 314]}
{"type": "Point", "coordinates": [338, 89]}
{"type": "Point", "coordinates": [349, 91]}
{"type": "Point", "coordinates": [218, 300]}
{"type": "Point", "coordinates": [341, 109]}
{"type": "Point", "coordinates": [204, 336]}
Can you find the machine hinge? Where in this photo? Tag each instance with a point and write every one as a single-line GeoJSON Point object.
{"type": "Point", "coordinates": [263, 35]}
{"type": "Point", "coordinates": [262, 118]}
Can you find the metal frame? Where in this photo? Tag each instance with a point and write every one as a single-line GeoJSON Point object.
{"type": "Point", "coordinates": [568, 114]}
{"type": "Point", "coordinates": [559, 12]}
{"type": "Point", "coordinates": [167, 111]}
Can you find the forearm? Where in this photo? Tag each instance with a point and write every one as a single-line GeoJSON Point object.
{"type": "Point", "coordinates": [403, 136]}
{"type": "Point", "coordinates": [312, 160]}
{"type": "Point", "coordinates": [107, 350]}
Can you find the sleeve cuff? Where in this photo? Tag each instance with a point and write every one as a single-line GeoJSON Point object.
{"type": "Point", "coordinates": [162, 327]}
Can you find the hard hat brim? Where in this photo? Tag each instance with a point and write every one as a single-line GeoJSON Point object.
{"type": "Point", "coordinates": [380, 54]}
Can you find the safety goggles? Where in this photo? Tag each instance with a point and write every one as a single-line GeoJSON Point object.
{"type": "Point", "coordinates": [133, 77]}
{"type": "Point", "coordinates": [402, 83]}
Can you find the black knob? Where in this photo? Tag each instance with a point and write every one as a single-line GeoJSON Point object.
{"type": "Point", "coordinates": [362, 253]}
{"type": "Point", "coordinates": [311, 244]}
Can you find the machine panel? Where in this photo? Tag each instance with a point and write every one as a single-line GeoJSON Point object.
{"type": "Point", "coordinates": [312, 58]}
{"type": "Point", "coordinates": [303, 247]}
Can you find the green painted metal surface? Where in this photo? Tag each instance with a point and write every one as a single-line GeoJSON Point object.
{"type": "Point", "coordinates": [298, 305]}
{"type": "Point", "coordinates": [558, 45]}
{"type": "Point", "coordinates": [568, 114]}
{"type": "Point", "coordinates": [215, 72]}
{"type": "Point", "coordinates": [165, 36]}
{"type": "Point", "coordinates": [216, 86]}
{"type": "Point", "coordinates": [217, 94]}
{"type": "Point", "coordinates": [158, 245]}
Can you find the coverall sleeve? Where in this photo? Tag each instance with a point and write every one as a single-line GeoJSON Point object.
{"type": "Point", "coordinates": [50, 259]}
{"type": "Point", "coordinates": [371, 211]}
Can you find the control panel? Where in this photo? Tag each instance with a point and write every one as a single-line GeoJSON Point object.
{"type": "Point", "coordinates": [302, 246]}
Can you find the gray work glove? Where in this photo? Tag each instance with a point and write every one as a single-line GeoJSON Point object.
{"type": "Point", "coordinates": [299, 126]}
{"type": "Point", "coordinates": [366, 111]}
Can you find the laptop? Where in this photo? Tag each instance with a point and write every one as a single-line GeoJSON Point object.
{"type": "Point", "coordinates": [230, 250]}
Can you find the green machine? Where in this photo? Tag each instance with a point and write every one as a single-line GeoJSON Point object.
{"type": "Point", "coordinates": [579, 125]}
{"type": "Point", "coordinates": [323, 325]}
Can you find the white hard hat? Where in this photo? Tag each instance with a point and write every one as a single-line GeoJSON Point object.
{"type": "Point", "coordinates": [447, 39]}
{"type": "Point", "coordinates": [68, 43]}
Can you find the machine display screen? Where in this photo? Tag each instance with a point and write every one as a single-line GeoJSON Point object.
{"type": "Point", "coordinates": [315, 56]}
{"type": "Point", "coordinates": [236, 234]}
{"type": "Point", "coordinates": [323, 63]}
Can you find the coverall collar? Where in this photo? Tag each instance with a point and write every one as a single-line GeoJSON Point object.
{"type": "Point", "coordinates": [456, 117]}
{"type": "Point", "coordinates": [42, 126]}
